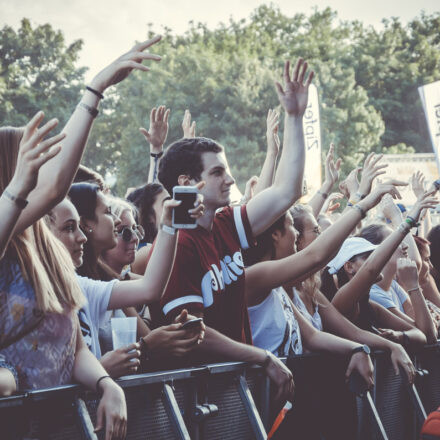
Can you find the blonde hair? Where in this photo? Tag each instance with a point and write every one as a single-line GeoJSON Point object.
{"type": "Point", "coordinates": [119, 206]}
{"type": "Point", "coordinates": [43, 260]}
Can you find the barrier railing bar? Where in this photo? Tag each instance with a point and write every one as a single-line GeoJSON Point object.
{"type": "Point", "coordinates": [265, 402]}
{"type": "Point", "coordinates": [86, 424]}
{"type": "Point", "coordinates": [376, 416]}
{"type": "Point", "coordinates": [251, 409]}
{"type": "Point", "coordinates": [174, 414]}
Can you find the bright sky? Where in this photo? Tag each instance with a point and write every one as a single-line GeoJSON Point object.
{"type": "Point", "coordinates": [109, 27]}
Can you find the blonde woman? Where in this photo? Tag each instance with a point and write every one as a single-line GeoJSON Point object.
{"type": "Point", "coordinates": [39, 294]}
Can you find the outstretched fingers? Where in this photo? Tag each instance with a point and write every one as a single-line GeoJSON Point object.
{"type": "Point", "coordinates": [146, 44]}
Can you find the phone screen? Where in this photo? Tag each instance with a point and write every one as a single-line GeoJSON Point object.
{"type": "Point", "coordinates": [181, 215]}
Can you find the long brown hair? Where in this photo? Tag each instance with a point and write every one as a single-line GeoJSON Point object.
{"type": "Point", "coordinates": [43, 261]}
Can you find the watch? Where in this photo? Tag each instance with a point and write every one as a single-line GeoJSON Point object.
{"type": "Point", "coordinates": [362, 348]}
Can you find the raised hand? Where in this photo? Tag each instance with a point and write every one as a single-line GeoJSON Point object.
{"type": "Point", "coordinates": [249, 189]}
{"type": "Point", "coordinates": [332, 168]}
{"type": "Point", "coordinates": [407, 273]}
{"type": "Point", "coordinates": [426, 200]}
{"type": "Point", "coordinates": [272, 124]}
{"type": "Point", "coordinates": [157, 134]}
{"type": "Point", "coordinates": [390, 210]}
{"type": "Point", "coordinates": [331, 204]}
{"type": "Point", "coordinates": [293, 97]}
{"type": "Point", "coordinates": [371, 169]}
{"type": "Point", "coordinates": [189, 129]}
{"type": "Point", "coordinates": [350, 185]}
{"type": "Point", "coordinates": [375, 196]}
{"type": "Point", "coordinates": [196, 212]}
{"type": "Point", "coordinates": [123, 66]}
{"type": "Point", "coordinates": [418, 183]}
{"type": "Point", "coordinates": [33, 153]}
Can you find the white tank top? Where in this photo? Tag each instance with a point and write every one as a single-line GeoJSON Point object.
{"type": "Point", "coordinates": [315, 320]}
{"type": "Point", "coordinates": [274, 326]}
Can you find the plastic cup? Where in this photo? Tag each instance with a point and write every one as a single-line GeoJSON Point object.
{"type": "Point", "coordinates": [123, 332]}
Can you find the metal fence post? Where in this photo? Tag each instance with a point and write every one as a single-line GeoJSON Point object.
{"type": "Point", "coordinates": [174, 414]}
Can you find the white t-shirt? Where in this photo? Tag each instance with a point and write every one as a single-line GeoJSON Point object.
{"type": "Point", "coordinates": [315, 320]}
{"type": "Point", "coordinates": [97, 294]}
{"type": "Point", "coordinates": [274, 326]}
{"type": "Point", "coordinates": [395, 297]}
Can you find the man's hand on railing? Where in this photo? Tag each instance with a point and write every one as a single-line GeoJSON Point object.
{"type": "Point", "coordinates": [400, 358]}
{"type": "Point", "coordinates": [281, 378]}
{"type": "Point", "coordinates": [123, 361]}
{"type": "Point", "coordinates": [361, 363]}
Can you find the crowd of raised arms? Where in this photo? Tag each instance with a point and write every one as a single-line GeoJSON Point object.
{"type": "Point", "coordinates": [270, 277]}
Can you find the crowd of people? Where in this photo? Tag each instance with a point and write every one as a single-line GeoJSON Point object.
{"type": "Point", "coordinates": [270, 276]}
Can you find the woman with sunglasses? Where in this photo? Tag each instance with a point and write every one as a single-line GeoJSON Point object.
{"type": "Point", "coordinates": [129, 234]}
{"type": "Point", "coordinates": [110, 294]}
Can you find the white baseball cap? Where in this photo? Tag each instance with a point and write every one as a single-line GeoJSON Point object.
{"type": "Point", "coordinates": [350, 248]}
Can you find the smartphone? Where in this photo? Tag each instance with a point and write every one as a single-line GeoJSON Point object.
{"type": "Point", "coordinates": [191, 323]}
{"type": "Point", "coordinates": [181, 217]}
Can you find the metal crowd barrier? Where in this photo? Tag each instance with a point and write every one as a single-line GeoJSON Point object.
{"type": "Point", "coordinates": [219, 401]}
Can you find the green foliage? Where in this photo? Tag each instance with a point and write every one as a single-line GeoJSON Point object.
{"type": "Point", "coordinates": [37, 72]}
{"type": "Point", "coordinates": [367, 81]}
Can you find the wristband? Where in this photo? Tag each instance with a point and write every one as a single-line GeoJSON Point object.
{"type": "Point", "coordinates": [144, 349]}
{"type": "Point", "coordinates": [156, 155]}
{"type": "Point", "coordinates": [324, 195]}
{"type": "Point", "coordinates": [93, 112]}
{"type": "Point", "coordinates": [413, 289]}
{"type": "Point", "coordinates": [412, 223]}
{"type": "Point", "coordinates": [95, 92]}
{"type": "Point", "coordinates": [98, 381]}
{"type": "Point", "coordinates": [363, 213]}
{"type": "Point", "coordinates": [169, 230]}
{"type": "Point", "coordinates": [361, 196]}
{"type": "Point", "coordinates": [21, 203]}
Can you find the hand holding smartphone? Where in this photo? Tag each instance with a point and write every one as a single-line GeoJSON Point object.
{"type": "Point", "coordinates": [181, 217]}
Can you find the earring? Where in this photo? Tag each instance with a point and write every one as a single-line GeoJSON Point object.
{"type": "Point", "coordinates": [90, 231]}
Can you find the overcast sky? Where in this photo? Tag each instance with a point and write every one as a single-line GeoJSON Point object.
{"type": "Point", "coordinates": [109, 27]}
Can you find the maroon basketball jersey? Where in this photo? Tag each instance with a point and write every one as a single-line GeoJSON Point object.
{"type": "Point", "coordinates": [208, 274]}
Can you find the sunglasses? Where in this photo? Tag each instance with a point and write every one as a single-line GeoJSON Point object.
{"type": "Point", "coordinates": [127, 233]}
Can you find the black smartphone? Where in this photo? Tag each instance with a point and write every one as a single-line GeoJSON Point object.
{"type": "Point", "coordinates": [181, 217]}
{"type": "Point", "coordinates": [191, 323]}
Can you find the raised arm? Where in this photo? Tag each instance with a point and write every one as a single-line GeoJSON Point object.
{"type": "Point", "coordinates": [270, 204]}
{"type": "Point", "coordinates": [348, 296]}
{"type": "Point", "coordinates": [331, 177]}
{"type": "Point", "coordinates": [55, 178]}
{"type": "Point", "coordinates": [32, 155]}
{"type": "Point", "coordinates": [151, 286]}
{"type": "Point", "coordinates": [273, 147]}
{"type": "Point", "coordinates": [270, 274]}
{"type": "Point", "coordinates": [156, 136]}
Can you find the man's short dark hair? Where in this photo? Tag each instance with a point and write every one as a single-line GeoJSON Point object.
{"type": "Point", "coordinates": [185, 157]}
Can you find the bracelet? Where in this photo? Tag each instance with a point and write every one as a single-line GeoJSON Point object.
{"type": "Point", "coordinates": [169, 230]}
{"type": "Point", "coordinates": [95, 92]}
{"type": "Point", "coordinates": [98, 381]}
{"type": "Point", "coordinates": [413, 289]}
{"type": "Point", "coordinates": [323, 194]}
{"type": "Point", "coordinates": [412, 222]}
{"type": "Point", "coordinates": [361, 196]}
{"type": "Point", "coordinates": [21, 203]}
{"type": "Point", "coordinates": [156, 155]}
{"type": "Point", "coordinates": [91, 110]}
{"type": "Point", "coordinates": [363, 213]}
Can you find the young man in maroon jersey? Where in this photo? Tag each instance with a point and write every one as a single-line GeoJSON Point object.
{"type": "Point", "coordinates": [208, 275]}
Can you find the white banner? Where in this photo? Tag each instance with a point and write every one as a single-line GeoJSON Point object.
{"type": "Point", "coordinates": [430, 96]}
{"type": "Point", "coordinates": [312, 140]}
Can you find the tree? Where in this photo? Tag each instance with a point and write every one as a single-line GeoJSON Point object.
{"type": "Point", "coordinates": [37, 72]}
